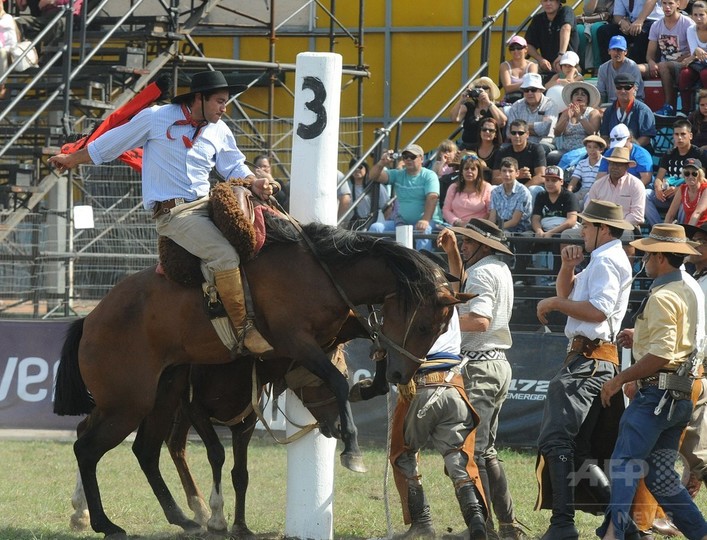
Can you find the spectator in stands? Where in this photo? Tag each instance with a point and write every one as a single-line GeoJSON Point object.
{"type": "Point", "coordinates": [262, 169]}
{"type": "Point", "coordinates": [643, 169]}
{"type": "Point", "coordinates": [529, 157]}
{"type": "Point", "coordinates": [698, 119]}
{"type": "Point", "coordinates": [618, 63]}
{"type": "Point", "coordinates": [538, 111]}
{"type": "Point", "coordinates": [446, 154]}
{"type": "Point", "coordinates": [551, 34]}
{"type": "Point", "coordinates": [475, 104]}
{"type": "Point", "coordinates": [491, 137]}
{"type": "Point", "coordinates": [353, 189]}
{"type": "Point", "coordinates": [511, 202]}
{"type": "Point", "coordinates": [579, 119]}
{"type": "Point", "coordinates": [630, 111]}
{"type": "Point", "coordinates": [596, 13]}
{"type": "Point", "coordinates": [511, 72]}
{"type": "Point", "coordinates": [470, 196]}
{"type": "Point", "coordinates": [569, 70]}
{"type": "Point", "coordinates": [694, 71]}
{"type": "Point", "coordinates": [690, 197]}
{"type": "Point", "coordinates": [667, 48]}
{"type": "Point", "coordinates": [669, 177]}
{"type": "Point", "coordinates": [417, 191]}
{"type": "Point", "coordinates": [41, 13]}
{"type": "Point", "coordinates": [632, 19]}
{"type": "Point", "coordinates": [585, 172]}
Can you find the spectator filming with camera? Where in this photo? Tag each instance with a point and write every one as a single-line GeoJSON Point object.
{"type": "Point", "coordinates": [475, 104]}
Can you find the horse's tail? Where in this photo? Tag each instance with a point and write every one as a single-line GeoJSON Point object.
{"type": "Point", "coordinates": [70, 394]}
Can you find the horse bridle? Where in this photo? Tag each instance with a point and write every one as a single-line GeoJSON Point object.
{"type": "Point", "coordinates": [374, 330]}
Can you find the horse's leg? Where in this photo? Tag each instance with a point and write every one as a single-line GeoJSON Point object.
{"type": "Point", "coordinates": [80, 518]}
{"type": "Point", "coordinates": [366, 389]}
{"type": "Point", "coordinates": [148, 443]}
{"type": "Point", "coordinates": [103, 432]}
{"type": "Point", "coordinates": [240, 437]}
{"type": "Point", "coordinates": [177, 444]}
{"type": "Point", "coordinates": [316, 361]}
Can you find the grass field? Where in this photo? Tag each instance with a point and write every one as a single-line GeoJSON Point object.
{"type": "Point", "coordinates": [37, 479]}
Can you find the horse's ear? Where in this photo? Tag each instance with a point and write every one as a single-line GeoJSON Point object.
{"type": "Point", "coordinates": [456, 298]}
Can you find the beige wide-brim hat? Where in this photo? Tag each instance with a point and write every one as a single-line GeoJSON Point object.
{"type": "Point", "coordinates": [594, 95]}
{"type": "Point", "coordinates": [605, 212]}
{"type": "Point", "coordinates": [595, 139]}
{"type": "Point", "coordinates": [621, 154]}
{"type": "Point", "coordinates": [494, 93]}
{"type": "Point", "coordinates": [666, 238]}
{"type": "Point", "coordinates": [485, 232]}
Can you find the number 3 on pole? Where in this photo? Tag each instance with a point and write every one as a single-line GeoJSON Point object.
{"type": "Point", "coordinates": [313, 130]}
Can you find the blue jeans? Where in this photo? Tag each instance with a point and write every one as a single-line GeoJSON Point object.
{"type": "Point", "coordinates": [389, 226]}
{"type": "Point", "coordinates": [647, 447]}
{"type": "Point", "coordinates": [653, 205]}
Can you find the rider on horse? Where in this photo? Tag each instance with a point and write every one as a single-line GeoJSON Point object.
{"type": "Point", "coordinates": [183, 141]}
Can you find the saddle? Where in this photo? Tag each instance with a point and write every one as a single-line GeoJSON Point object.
{"type": "Point", "coordinates": [237, 214]}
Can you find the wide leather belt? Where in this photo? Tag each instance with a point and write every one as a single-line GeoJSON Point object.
{"type": "Point", "coordinates": [163, 207]}
{"type": "Point", "coordinates": [437, 377]}
{"type": "Point", "coordinates": [595, 349]}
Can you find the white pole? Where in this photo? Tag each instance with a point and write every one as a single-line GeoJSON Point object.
{"type": "Point", "coordinates": [310, 460]}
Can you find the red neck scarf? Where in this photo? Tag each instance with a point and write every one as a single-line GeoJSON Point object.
{"type": "Point", "coordinates": [188, 121]}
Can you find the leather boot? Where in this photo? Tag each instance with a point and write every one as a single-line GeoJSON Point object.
{"type": "Point", "coordinates": [420, 515]}
{"type": "Point", "coordinates": [472, 510]}
{"type": "Point", "coordinates": [498, 491]}
{"type": "Point", "coordinates": [230, 289]}
{"type": "Point", "coordinates": [599, 485]}
{"type": "Point", "coordinates": [561, 469]}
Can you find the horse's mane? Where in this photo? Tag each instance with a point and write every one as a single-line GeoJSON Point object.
{"type": "Point", "coordinates": [417, 277]}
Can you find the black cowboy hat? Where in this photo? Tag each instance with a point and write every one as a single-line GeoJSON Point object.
{"type": "Point", "coordinates": [691, 230]}
{"type": "Point", "coordinates": [208, 81]}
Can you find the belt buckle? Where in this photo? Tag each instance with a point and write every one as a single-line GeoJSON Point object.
{"type": "Point", "coordinates": [178, 201]}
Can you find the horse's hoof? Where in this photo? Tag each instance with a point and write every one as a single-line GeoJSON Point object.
{"type": "Point", "coordinates": [355, 392]}
{"type": "Point", "coordinates": [353, 462]}
{"type": "Point", "coordinates": [242, 532]}
{"type": "Point", "coordinates": [80, 521]}
{"type": "Point", "coordinates": [192, 527]}
{"type": "Point", "coordinates": [116, 536]}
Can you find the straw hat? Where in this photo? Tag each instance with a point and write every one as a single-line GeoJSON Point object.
{"type": "Point", "coordinates": [621, 154]}
{"type": "Point", "coordinates": [607, 213]}
{"type": "Point", "coordinates": [485, 232]}
{"type": "Point", "coordinates": [595, 139]}
{"type": "Point", "coordinates": [208, 81]}
{"type": "Point", "coordinates": [666, 238]}
{"type": "Point", "coordinates": [594, 95]}
{"type": "Point", "coordinates": [493, 91]}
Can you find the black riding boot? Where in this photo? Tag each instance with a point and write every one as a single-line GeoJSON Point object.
{"type": "Point", "coordinates": [472, 510]}
{"type": "Point", "coordinates": [599, 485]}
{"type": "Point", "coordinates": [421, 526]}
{"type": "Point", "coordinates": [561, 469]}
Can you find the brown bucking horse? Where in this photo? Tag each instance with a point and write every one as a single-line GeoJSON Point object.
{"type": "Point", "coordinates": [303, 293]}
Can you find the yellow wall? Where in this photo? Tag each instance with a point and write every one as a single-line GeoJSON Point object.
{"type": "Point", "coordinates": [425, 35]}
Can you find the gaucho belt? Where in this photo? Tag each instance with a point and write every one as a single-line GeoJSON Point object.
{"type": "Point", "coordinates": [161, 208]}
{"type": "Point", "coordinates": [437, 377]}
{"type": "Point", "coordinates": [595, 349]}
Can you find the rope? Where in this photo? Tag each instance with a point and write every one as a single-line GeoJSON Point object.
{"type": "Point", "coordinates": [386, 475]}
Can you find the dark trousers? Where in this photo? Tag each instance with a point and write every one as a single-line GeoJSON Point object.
{"type": "Point", "coordinates": [637, 45]}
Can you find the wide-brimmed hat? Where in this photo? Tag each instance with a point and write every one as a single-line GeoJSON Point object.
{"type": "Point", "coordinates": [595, 139]}
{"type": "Point", "coordinates": [493, 91]}
{"type": "Point", "coordinates": [691, 230]}
{"type": "Point", "coordinates": [485, 232]}
{"type": "Point", "coordinates": [620, 154]}
{"type": "Point", "coordinates": [594, 95]}
{"type": "Point", "coordinates": [208, 81]}
{"type": "Point", "coordinates": [605, 212]}
{"type": "Point", "coordinates": [666, 238]}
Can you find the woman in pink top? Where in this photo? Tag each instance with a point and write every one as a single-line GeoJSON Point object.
{"type": "Point", "coordinates": [690, 196]}
{"type": "Point", "coordinates": [470, 196]}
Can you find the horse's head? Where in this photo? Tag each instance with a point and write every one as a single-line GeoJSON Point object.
{"type": "Point", "coordinates": [316, 396]}
{"type": "Point", "coordinates": [413, 331]}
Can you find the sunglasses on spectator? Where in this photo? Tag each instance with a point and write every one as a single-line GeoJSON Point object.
{"type": "Point", "coordinates": [408, 156]}
{"type": "Point", "coordinates": [624, 86]}
{"type": "Point", "coordinates": [618, 138]}
{"type": "Point", "coordinates": [690, 173]}
{"type": "Point", "coordinates": [488, 130]}
{"type": "Point", "coordinates": [467, 157]}
{"type": "Point", "coordinates": [527, 90]}
{"type": "Point", "coordinates": [516, 48]}
{"type": "Point", "coordinates": [484, 88]}
{"type": "Point", "coordinates": [519, 133]}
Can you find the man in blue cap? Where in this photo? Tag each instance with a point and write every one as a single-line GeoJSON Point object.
{"type": "Point", "coordinates": [618, 63]}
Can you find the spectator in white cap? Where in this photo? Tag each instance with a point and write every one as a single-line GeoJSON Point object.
{"type": "Point", "coordinates": [551, 33]}
{"type": "Point", "coordinates": [569, 70]}
{"type": "Point", "coordinates": [621, 136]}
{"type": "Point", "coordinates": [628, 110]}
{"type": "Point", "coordinates": [417, 191]}
{"type": "Point", "coordinates": [618, 63]}
{"type": "Point", "coordinates": [669, 175]}
{"type": "Point", "coordinates": [511, 72]}
{"type": "Point", "coordinates": [537, 110]}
